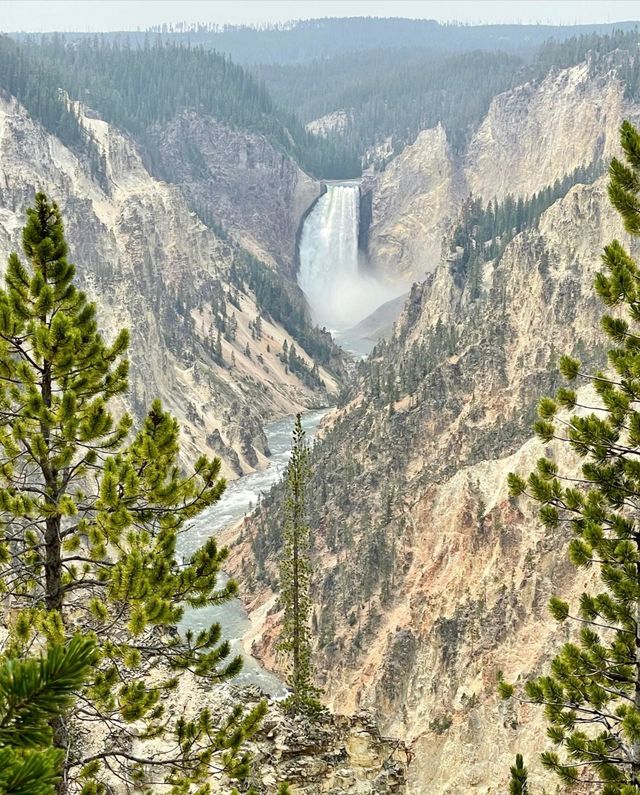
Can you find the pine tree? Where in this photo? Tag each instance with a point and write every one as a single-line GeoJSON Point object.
{"type": "Point", "coordinates": [295, 579]}
{"type": "Point", "coordinates": [592, 691]}
{"type": "Point", "coordinates": [90, 512]}
{"type": "Point", "coordinates": [33, 694]}
{"type": "Point", "coordinates": [518, 784]}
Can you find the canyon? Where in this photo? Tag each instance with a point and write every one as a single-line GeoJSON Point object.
{"type": "Point", "coordinates": [429, 579]}
{"type": "Point", "coordinates": [223, 256]}
{"type": "Point", "coordinates": [154, 266]}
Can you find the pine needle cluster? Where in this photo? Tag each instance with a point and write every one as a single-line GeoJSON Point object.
{"type": "Point", "coordinates": [33, 694]}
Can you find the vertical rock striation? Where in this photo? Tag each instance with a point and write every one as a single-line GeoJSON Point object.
{"type": "Point", "coordinates": [240, 180]}
{"type": "Point", "coordinates": [530, 137]}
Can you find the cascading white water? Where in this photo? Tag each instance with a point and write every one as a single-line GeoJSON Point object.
{"type": "Point", "coordinates": [339, 294]}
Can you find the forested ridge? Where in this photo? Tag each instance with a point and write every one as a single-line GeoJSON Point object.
{"type": "Point", "coordinates": [37, 83]}
{"type": "Point", "coordinates": [394, 93]}
{"type": "Point", "coordinates": [301, 41]}
{"type": "Point", "coordinates": [388, 93]}
{"type": "Point", "coordinates": [138, 88]}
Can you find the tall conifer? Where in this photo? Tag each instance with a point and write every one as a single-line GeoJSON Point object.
{"type": "Point", "coordinates": [90, 512]}
{"type": "Point", "coordinates": [591, 694]}
{"type": "Point", "coordinates": [295, 579]}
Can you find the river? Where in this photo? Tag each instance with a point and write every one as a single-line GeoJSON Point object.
{"type": "Point", "coordinates": [239, 498]}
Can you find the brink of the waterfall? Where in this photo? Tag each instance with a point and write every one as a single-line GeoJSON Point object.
{"type": "Point", "coordinates": [339, 292]}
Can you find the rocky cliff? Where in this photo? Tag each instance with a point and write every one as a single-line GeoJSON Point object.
{"type": "Point", "coordinates": [430, 580]}
{"type": "Point", "coordinates": [333, 754]}
{"type": "Point", "coordinates": [530, 137]}
{"type": "Point", "coordinates": [413, 202]}
{"type": "Point", "coordinates": [184, 291]}
{"type": "Point", "coordinates": [238, 179]}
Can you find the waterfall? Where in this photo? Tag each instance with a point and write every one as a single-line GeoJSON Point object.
{"type": "Point", "coordinates": [338, 292]}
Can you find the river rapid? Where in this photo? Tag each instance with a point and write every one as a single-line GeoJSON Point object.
{"type": "Point", "coordinates": [239, 498]}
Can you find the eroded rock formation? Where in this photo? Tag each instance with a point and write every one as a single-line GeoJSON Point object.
{"type": "Point", "coordinates": [530, 137]}
{"type": "Point", "coordinates": [430, 580]}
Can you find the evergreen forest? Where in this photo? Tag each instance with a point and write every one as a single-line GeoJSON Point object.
{"type": "Point", "coordinates": [385, 94]}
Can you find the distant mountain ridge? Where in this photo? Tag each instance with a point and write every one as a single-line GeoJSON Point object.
{"type": "Point", "coordinates": [304, 40]}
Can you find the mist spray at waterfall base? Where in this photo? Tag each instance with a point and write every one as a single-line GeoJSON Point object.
{"type": "Point", "coordinates": [340, 293]}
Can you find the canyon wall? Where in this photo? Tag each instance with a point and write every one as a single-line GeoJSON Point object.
{"type": "Point", "coordinates": [429, 579]}
{"type": "Point", "coordinates": [151, 264]}
{"type": "Point", "coordinates": [241, 180]}
{"type": "Point", "coordinates": [530, 137]}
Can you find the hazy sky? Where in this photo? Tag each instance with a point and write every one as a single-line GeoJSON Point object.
{"type": "Point", "coordinates": [39, 15]}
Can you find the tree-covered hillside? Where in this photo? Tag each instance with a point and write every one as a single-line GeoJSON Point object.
{"type": "Point", "coordinates": [395, 92]}
{"type": "Point", "coordinates": [306, 40]}
{"type": "Point", "coordinates": [139, 88]}
{"type": "Point", "coordinates": [37, 84]}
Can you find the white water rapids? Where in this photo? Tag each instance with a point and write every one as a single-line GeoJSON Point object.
{"type": "Point", "coordinates": [340, 294]}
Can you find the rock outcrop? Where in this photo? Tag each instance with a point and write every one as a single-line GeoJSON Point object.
{"type": "Point", "coordinates": [539, 132]}
{"type": "Point", "coordinates": [331, 754]}
{"type": "Point", "coordinates": [413, 202]}
{"type": "Point", "coordinates": [338, 122]}
{"type": "Point", "coordinates": [240, 180]}
{"type": "Point", "coordinates": [335, 754]}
